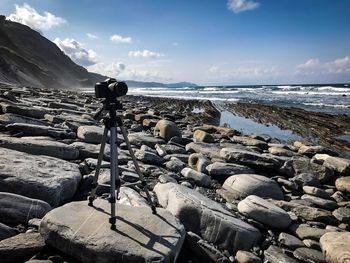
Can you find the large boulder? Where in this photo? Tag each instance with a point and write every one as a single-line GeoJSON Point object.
{"type": "Point", "coordinates": [199, 178]}
{"type": "Point", "coordinates": [90, 134]}
{"type": "Point", "coordinates": [40, 130]}
{"type": "Point", "coordinates": [202, 136]}
{"type": "Point", "coordinates": [336, 247]}
{"type": "Point", "coordinates": [9, 118]}
{"type": "Point", "coordinates": [39, 146]}
{"type": "Point", "coordinates": [37, 176]}
{"type": "Point", "coordinates": [206, 218]}
{"type": "Point", "coordinates": [84, 233]}
{"type": "Point", "coordinates": [264, 212]}
{"type": "Point", "coordinates": [222, 170]}
{"type": "Point", "coordinates": [243, 185]}
{"type": "Point", "coordinates": [166, 130]}
{"type": "Point", "coordinates": [198, 162]}
{"type": "Point", "coordinates": [340, 165]}
{"type": "Point", "coordinates": [17, 209]}
{"type": "Point", "coordinates": [343, 184]}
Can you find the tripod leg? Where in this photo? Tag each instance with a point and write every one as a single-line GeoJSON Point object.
{"type": "Point", "coordinates": [92, 196]}
{"type": "Point", "coordinates": [142, 178]}
{"type": "Point", "coordinates": [114, 176]}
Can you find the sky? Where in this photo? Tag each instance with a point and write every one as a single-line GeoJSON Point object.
{"type": "Point", "coordinates": [208, 42]}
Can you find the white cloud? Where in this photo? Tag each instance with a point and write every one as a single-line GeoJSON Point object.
{"type": "Point", "coordinates": [311, 63]}
{"type": "Point", "coordinates": [27, 15]}
{"type": "Point", "coordinates": [340, 65]}
{"type": "Point", "coordinates": [145, 54]}
{"type": "Point", "coordinates": [121, 40]}
{"type": "Point", "coordinates": [313, 66]}
{"type": "Point", "coordinates": [213, 69]}
{"type": "Point", "coordinates": [76, 51]}
{"type": "Point", "coordinates": [92, 36]}
{"type": "Point", "coordinates": [238, 6]}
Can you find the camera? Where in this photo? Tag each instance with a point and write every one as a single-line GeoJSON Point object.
{"type": "Point", "coordinates": [110, 89]}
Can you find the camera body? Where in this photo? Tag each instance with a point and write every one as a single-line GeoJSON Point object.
{"type": "Point", "coordinates": [110, 89]}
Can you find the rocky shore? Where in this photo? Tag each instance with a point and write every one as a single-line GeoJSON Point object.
{"type": "Point", "coordinates": [221, 196]}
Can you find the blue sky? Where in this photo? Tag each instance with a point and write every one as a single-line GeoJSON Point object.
{"type": "Point", "coordinates": [209, 42]}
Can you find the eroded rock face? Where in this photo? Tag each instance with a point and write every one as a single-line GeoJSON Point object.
{"type": "Point", "coordinates": [37, 176]}
{"type": "Point", "coordinates": [335, 246]}
{"type": "Point", "coordinates": [166, 130]}
{"type": "Point", "coordinates": [340, 165]}
{"type": "Point", "coordinates": [243, 185]}
{"type": "Point", "coordinates": [84, 233]}
{"type": "Point", "coordinates": [205, 217]}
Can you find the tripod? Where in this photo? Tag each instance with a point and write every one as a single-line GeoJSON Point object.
{"type": "Point", "coordinates": [111, 122]}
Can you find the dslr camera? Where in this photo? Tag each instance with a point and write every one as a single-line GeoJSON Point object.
{"type": "Point", "coordinates": [110, 89]}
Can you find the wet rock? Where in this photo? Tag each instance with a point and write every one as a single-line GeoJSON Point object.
{"type": "Point", "coordinates": [149, 157]}
{"type": "Point", "coordinates": [84, 233]}
{"type": "Point", "coordinates": [37, 176]}
{"type": "Point", "coordinates": [243, 185]}
{"type": "Point", "coordinates": [246, 257]}
{"type": "Point", "coordinates": [140, 138]}
{"type": "Point", "coordinates": [6, 231]}
{"type": "Point", "coordinates": [275, 255]}
{"type": "Point", "coordinates": [335, 247]}
{"type": "Point", "coordinates": [20, 247]}
{"type": "Point", "coordinates": [247, 141]}
{"type": "Point", "coordinates": [343, 184]}
{"type": "Point", "coordinates": [320, 202]}
{"type": "Point", "coordinates": [342, 214]}
{"type": "Point", "coordinates": [290, 241]}
{"type": "Point", "coordinates": [39, 147]}
{"type": "Point", "coordinates": [264, 212]}
{"type": "Point", "coordinates": [340, 165]}
{"type": "Point", "coordinates": [17, 209]}
{"type": "Point", "coordinates": [202, 136]}
{"type": "Point", "coordinates": [309, 255]}
{"type": "Point", "coordinates": [40, 130]}
{"type": "Point", "coordinates": [90, 134]}
{"type": "Point", "coordinates": [207, 218]}
{"type": "Point", "coordinates": [224, 170]}
{"type": "Point", "coordinates": [251, 159]}
{"type": "Point", "coordinates": [199, 178]}
{"type": "Point", "coordinates": [198, 162]}
{"type": "Point", "coordinates": [166, 130]}
{"type": "Point", "coordinates": [312, 244]}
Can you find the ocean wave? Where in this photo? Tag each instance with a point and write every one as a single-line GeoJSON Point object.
{"type": "Point", "coordinates": [327, 105]}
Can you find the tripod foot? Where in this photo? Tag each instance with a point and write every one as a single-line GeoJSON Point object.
{"type": "Point", "coordinates": [113, 227]}
{"type": "Point", "coordinates": [154, 211]}
{"type": "Point", "coordinates": [91, 201]}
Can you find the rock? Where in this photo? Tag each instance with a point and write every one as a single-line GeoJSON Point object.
{"type": "Point", "coordinates": [149, 157]}
{"type": "Point", "coordinates": [20, 247]}
{"type": "Point", "coordinates": [33, 112]}
{"type": "Point", "coordinates": [275, 255]}
{"type": "Point", "coordinates": [243, 185]}
{"type": "Point", "coordinates": [175, 165]}
{"type": "Point", "coordinates": [9, 118]}
{"type": "Point", "coordinates": [251, 159]}
{"type": "Point", "coordinates": [314, 214]}
{"type": "Point", "coordinates": [172, 149]}
{"type": "Point", "coordinates": [304, 231]}
{"type": "Point", "coordinates": [264, 212]}
{"type": "Point", "coordinates": [247, 141]}
{"type": "Point", "coordinates": [279, 151]}
{"type": "Point", "coordinates": [342, 214]}
{"type": "Point", "coordinates": [209, 149]}
{"type": "Point", "coordinates": [202, 136]}
{"type": "Point", "coordinates": [39, 130]}
{"type": "Point", "coordinates": [320, 202]}
{"type": "Point", "coordinates": [290, 241]}
{"type": "Point", "coordinates": [306, 179]}
{"type": "Point", "coordinates": [224, 170]}
{"type": "Point", "coordinates": [312, 244]}
{"type": "Point", "coordinates": [149, 123]}
{"type": "Point", "coordinates": [58, 105]}
{"type": "Point", "coordinates": [36, 176]}
{"type": "Point", "coordinates": [340, 165]}
{"type": "Point", "coordinates": [88, 150]}
{"type": "Point", "coordinates": [140, 138]}
{"type": "Point", "coordinates": [343, 184]}
{"type": "Point", "coordinates": [206, 218]}
{"type": "Point", "coordinates": [316, 192]}
{"type": "Point", "coordinates": [39, 147]}
{"type": "Point", "coordinates": [166, 130]}
{"type": "Point", "coordinates": [6, 231]}
{"type": "Point", "coordinates": [84, 233]}
{"type": "Point", "coordinates": [17, 209]}
{"type": "Point", "coordinates": [199, 178]}
{"type": "Point", "coordinates": [129, 196]}
{"type": "Point", "coordinates": [309, 255]}
{"type": "Point", "coordinates": [335, 247]}
{"type": "Point", "coordinates": [90, 134]}
{"type": "Point", "coordinates": [246, 257]}
{"type": "Point", "coordinates": [198, 162]}
{"type": "Point", "coordinates": [312, 150]}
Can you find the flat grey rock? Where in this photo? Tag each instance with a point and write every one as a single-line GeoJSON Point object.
{"type": "Point", "coordinates": [320, 202]}
{"type": "Point", "coordinates": [290, 241]}
{"type": "Point", "coordinates": [90, 134]}
{"type": "Point", "coordinates": [149, 157]}
{"type": "Point", "coordinates": [37, 176]}
{"type": "Point", "coordinates": [275, 255]}
{"type": "Point", "coordinates": [39, 147]}
{"type": "Point", "coordinates": [248, 141]}
{"type": "Point", "coordinates": [33, 112]}
{"type": "Point", "coordinates": [140, 138]}
{"type": "Point", "coordinates": [206, 218]}
{"type": "Point", "coordinates": [84, 233]}
{"type": "Point", "coordinates": [222, 170]}
{"type": "Point", "coordinates": [309, 255]}
{"type": "Point", "coordinates": [40, 130]}
{"type": "Point", "coordinates": [209, 149]}
{"type": "Point", "coordinates": [6, 231]}
{"type": "Point", "coordinates": [199, 178]}
{"type": "Point", "coordinates": [340, 165]}
{"type": "Point", "coordinates": [264, 212]}
{"type": "Point", "coordinates": [243, 185]}
{"type": "Point", "coordinates": [9, 118]}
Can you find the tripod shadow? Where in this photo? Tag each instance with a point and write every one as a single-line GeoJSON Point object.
{"type": "Point", "coordinates": [153, 239]}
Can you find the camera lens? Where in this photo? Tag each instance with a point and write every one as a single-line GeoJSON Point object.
{"type": "Point", "coordinates": [118, 88]}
